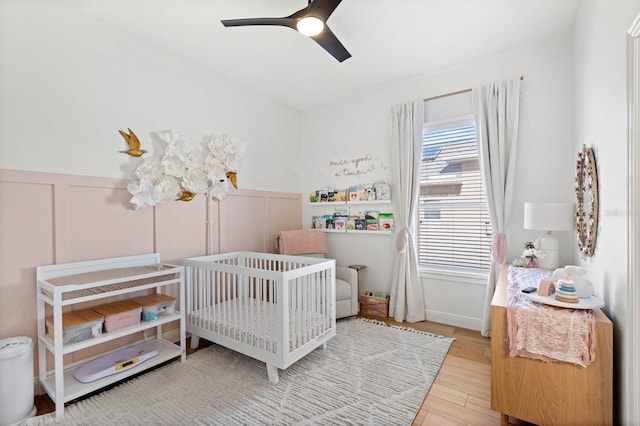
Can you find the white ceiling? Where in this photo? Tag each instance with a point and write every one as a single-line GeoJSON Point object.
{"type": "Point", "coordinates": [390, 40]}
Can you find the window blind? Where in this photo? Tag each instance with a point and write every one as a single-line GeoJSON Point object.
{"type": "Point", "coordinates": [454, 225]}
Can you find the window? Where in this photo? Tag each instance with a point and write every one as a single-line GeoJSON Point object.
{"type": "Point", "coordinates": [454, 226]}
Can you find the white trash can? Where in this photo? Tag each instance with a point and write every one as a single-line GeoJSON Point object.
{"type": "Point", "coordinates": [16, 380]}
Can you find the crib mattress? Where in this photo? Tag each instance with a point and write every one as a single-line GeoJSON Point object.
{"type": "Point", "coordinates": [254, 322]}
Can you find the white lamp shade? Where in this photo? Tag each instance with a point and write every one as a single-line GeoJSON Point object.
{"type": "Point", "coordinates": [549, 216]}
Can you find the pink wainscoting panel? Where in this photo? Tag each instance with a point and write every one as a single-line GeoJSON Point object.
{"type": "Point", "coordinates": [285, 214]}
{"type": "Point", "coordinates": [181, 229]}
{"type": "Point", "coordinates": [243, 216]}
{"type": "Point", "coordinates": [104, 224]}
{"type": "Point", "coordinates": [26, 241]}
{"type": "Point", "coordinates": [249, 220]}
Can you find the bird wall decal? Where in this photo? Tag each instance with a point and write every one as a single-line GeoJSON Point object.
{"type": "Point", "coordinates": [233, 178]}
{"type": "Point", "coordinates": [186, 196]}
{"type": "Point", "coordinates": [133, 142]}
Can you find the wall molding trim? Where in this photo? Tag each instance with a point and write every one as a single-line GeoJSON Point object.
{"type": "Point", "coordinates": [631, 386]}
{"type": "Point", "coordinates": [453, 319]}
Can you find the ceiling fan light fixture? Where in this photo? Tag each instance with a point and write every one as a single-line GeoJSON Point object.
{"type": "Point", "coordinates": [310, 26]}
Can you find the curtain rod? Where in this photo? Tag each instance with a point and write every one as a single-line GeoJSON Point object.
{"type": "Point", "coordinates": [454, 93]}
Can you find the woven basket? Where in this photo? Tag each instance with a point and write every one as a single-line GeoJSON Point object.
{"type": "Point", "coordinates": [376, 306]}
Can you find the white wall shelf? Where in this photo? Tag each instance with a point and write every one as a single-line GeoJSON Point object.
{"type": "Point", "coordinates": [349, 203]}
{"type": "Point", "coordinates": [354, 203]}
{"type": "Point", "coordinates": [355, 231]}
{"type": "Point", "coordinates": [358, 231]}
{"type": "Point", "coordinates": [328, 203]}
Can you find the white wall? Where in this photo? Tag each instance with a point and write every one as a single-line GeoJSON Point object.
{"type": "Point", "coordinates": [361, 126]}
{"type": "Point", "coordinates": [600, 112]}
{"type": "Point", "coordinates": [69, 82]}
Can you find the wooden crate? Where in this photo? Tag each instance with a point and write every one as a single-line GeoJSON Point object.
{"type": "Point", "coordinates": [373, 305]}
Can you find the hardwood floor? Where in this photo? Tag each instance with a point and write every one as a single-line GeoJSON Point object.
{"type": "Point", "coordinates": [461, 393]}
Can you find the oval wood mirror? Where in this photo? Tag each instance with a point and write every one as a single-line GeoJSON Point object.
{"type": "Point", "coordinates": [586, 201]}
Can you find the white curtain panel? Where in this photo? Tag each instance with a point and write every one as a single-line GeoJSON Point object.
{"type": "Point", "coordinates": [407, 298]}
{"type": "Point", "coordinates": [496, 113]}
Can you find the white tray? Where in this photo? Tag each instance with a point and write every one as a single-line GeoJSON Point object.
{"type": "Point", "coordinates": [592, 302]}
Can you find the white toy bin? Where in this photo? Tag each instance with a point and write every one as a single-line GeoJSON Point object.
{"type": "Point", "coordinates": [16, 386]}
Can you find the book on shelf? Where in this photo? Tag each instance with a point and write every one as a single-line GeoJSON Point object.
{"type": "Point", "coordinates": [319, 222]}
{"type": "Point", "coordinates": [341, 211]}
{"type": "Point", "coordinates": [340, 195]}
{"type": "Point", "coordinates": [372, 220]}
{"type": "Point", "coordinates": [385, 221]}
{"type": "Point", "coordinates": [353, 193]}
{"type": "Point", "coordinates": [362, 193]}
{"type": "Point", "coordinates": [328, 219]}
{"type": "Point", "coordinates": [371, 214]}
{"type": "Point", "coordinates": [360, 224]}
{"type": "Point", "coordinates": [383, 191]}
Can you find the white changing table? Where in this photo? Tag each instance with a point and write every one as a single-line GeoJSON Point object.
{"type": "Point", "coordinates": [71, 283]}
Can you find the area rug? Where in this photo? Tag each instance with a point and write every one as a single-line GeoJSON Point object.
{"type": "Point", "coordinates": [369, 374]}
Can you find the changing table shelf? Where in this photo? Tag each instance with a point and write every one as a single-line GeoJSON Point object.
{"type": "Point", "coordinates": [74, 389]}
{"type": "Point", "coordinates": [64, 285]}
{"type": "Point", "coordinates": [144, 325]}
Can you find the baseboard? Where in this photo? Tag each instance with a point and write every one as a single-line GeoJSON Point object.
{"type": "Point", "coordinates": [454, 320]}
{"type": "Point", "coordinates": [172, 335]}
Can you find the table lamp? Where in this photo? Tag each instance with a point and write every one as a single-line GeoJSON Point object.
{"type": "Point", "coordinates": [549, 216]}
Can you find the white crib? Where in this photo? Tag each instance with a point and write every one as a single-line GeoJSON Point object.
{"type": "Point", "coordinates": [273, 308]}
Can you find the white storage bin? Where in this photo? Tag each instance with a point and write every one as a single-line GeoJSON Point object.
{"type": "Point", "coordinates": [155, 305]}
{"type": "Point", "coordinates": [78, 326]}
{"type": "Point", "coordinates": [16, 386]}
{"type": "Point", "coordinates": [117, 315]}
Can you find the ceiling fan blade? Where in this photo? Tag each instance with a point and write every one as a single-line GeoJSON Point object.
{"type": "Point", "coordinates": [331, 44]}
{"type": "Point", "coordinates": [323, 8]}
{"type": "Point", "coordinates": [300, 13]}
{"type": "Point", "coordinates": [285, 22]}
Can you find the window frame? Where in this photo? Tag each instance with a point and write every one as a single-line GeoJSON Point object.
{"type": "Point", "coordinates": [467, 273]}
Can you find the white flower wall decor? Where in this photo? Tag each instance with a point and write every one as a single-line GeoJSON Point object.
{"type": "Point", "coordinates": [186, 169]}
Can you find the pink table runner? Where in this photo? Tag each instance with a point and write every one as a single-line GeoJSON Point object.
{"type": "Point", "coordinates": [548, 333]}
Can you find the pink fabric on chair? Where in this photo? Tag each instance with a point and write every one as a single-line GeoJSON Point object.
{"type": "Point", "coordinates": [303, 241]}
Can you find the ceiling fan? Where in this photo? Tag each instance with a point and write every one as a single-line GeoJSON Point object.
{"type": "Point", "coordinates": [310, 21]}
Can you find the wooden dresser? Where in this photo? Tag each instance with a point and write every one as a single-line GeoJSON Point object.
{"type": "Point", "coordinates": [549, 393]}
